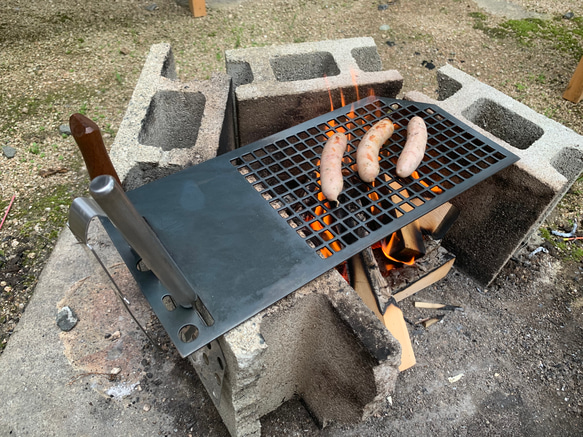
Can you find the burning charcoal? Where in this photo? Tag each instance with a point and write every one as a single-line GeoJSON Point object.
{"type": "Point", "coordinates": [66, 319]}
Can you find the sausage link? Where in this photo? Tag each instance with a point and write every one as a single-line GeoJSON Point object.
{"type": "Point", "coordinates": [331, 166]}
{"type": "Point", "coordinates": [367, 153]}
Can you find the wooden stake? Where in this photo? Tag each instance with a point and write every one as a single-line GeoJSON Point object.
{"type": "Point", "coordinates": [436, 306]}
{"type": "Point", "coordinates": [197, 7]}
{"type": "Point", "coordinates": [574, 91]}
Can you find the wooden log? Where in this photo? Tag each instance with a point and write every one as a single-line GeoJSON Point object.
{"type": "Point", "coordinates": [426, 280]}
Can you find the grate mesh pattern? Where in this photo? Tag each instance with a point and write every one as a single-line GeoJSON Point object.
{"type": "Point", "coordinates": [284, 170]}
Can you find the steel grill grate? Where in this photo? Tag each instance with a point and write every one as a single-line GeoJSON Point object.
{"type": "Point", "coordinates": [284, 172]}
{"type": "Point", "coordinates": [249, 227]}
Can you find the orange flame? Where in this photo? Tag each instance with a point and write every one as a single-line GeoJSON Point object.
{"type": "Point", "coordinates": [386, 248]}
{"type": "Point", "coordinates": [415, 175]}
{"type": "Point", "coordinates": [354, 82]}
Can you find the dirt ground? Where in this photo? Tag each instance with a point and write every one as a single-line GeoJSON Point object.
{"type": "Point", "coordinates": [518, 343]}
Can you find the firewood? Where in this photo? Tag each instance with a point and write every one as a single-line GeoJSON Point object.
{"type": "Point", "coordinates": [406, 243]}
{"type": "Point", "coordinates": [375, 279]}
{"type": "Point", "coordinates": [437, 222]}
{"type": "Point", "coordinates": [392, 316]}
{"type": "Point", "coordinates": [426, 280]}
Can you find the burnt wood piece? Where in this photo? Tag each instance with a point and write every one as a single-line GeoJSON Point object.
{"type": "Point", "coordinates": [408, 280]}
{"type": "Point", "coordinates": [88, 137]}
{"type": "Point", "coordinates": [407, 243]}
{"type": "Point", "coordinates": [373, 274]}
{"type": "Point", "coordinates": [391, 316]}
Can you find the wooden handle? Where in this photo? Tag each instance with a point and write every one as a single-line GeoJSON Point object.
{"type": "Point", "coordinates": [88, 137]}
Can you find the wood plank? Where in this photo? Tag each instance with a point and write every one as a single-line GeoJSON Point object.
{"type": "Point", "coordinates": [393, 318]}
{"type": "Point", "coordinates": [437, 222]}
{"type": "Point", "coordinates": [430, 278]}
{"type": "Point", "coordinates": [574, 91]}
{"type": "Point", "coordinates": [197, 7]}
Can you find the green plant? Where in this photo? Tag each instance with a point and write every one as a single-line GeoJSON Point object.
{"type": "Point", "coordinates": [118, 78]}
{"type": "Point", "coordinates": [34, 149]}
{"type": "Point", "coordinates": [83, 108]}
{"type": "Point", "coordinates": [108, 129]}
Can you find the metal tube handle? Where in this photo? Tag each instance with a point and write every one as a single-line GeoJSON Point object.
{"type": "Point", "coordinates": [140, 236]}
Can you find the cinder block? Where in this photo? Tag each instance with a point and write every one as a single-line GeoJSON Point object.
{"type": "Point", "coordinates": [501, 212]}
{"type": "Point", "coordinates": [170, 125]}
{"type": "Point", "coordinates": [279, 87]}
{"type": "Point", "coordinates": [322, 344]}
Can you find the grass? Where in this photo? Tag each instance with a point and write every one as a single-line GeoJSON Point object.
{"type": "Point", "coordinates": [47, 212]}
{"type": "Point", "coordinates": [564, 35]}
{"type": "Point", "coordinates": [568, 250]}
{"type": "Point", "coordinates": [34, 149]}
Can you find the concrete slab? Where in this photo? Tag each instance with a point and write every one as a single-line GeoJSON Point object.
{"type": "Point", "coordinates": [45, 394]}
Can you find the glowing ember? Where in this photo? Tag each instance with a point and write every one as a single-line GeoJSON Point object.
{"type": "Point", "coordinates": [415, 175]}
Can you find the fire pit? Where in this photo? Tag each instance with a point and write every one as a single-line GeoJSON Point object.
{"type": "Point", "coordinates": [264, 199]}
{"type": "Point", "coordinates": [272, 186]}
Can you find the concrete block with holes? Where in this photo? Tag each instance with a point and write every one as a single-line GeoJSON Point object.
{"type": "Point", "coordinates": [170, 125]}
{"type": "Point", "coordinates": [503, 211]}
{"type": "Point", "coordinates": [279, 87]}
{"type": "Point", "coordinates": [321, 344]}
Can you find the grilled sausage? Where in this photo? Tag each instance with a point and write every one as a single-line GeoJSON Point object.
{"type": "Point", "coordinates": [367, 153]}
{"type": "Point", "coordinates": [331, 166]}
{"type": "Point", "coordinates": [414, 149]}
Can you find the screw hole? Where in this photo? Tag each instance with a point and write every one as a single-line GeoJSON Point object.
{"type": "Point", "coordinates": [188, 333]}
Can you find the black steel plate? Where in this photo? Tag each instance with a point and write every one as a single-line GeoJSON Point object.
{"type": "Point", "coordinates": [249, 227]}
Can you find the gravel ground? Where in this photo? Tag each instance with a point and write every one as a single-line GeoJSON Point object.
{"type": "Point", "coordinates": [63, 56]}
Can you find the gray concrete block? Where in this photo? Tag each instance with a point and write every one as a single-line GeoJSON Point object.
{"type": "Point", "coordinates": [279, 87]}
{"type": "Point", "coordinates": [320, 343]}
{"type": "Point", "coordinates": [170, 125]}
{"type": "Point", "coordinates": [501, 212]}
